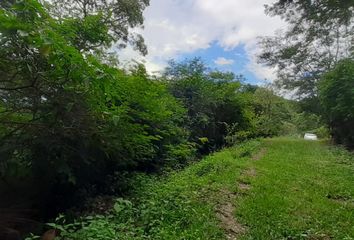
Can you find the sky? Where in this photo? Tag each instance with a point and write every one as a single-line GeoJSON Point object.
{"type": "Point", "coordinates": [222, 32]}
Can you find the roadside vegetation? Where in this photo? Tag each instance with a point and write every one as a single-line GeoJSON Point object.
{"type": "Point", "coordinates": [314, 59]}
{"type": "Point", "coordinates": [119, 151]}
{"type": "Point", "coordinates": [280, 188]}
{"type": "Point", "coordinates": [180, 205]}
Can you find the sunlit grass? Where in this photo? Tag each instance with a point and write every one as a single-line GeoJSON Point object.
{"type": "Point", "coordinates": [278, 188]}
{"type": "Point", "coordinates": [303, 190]}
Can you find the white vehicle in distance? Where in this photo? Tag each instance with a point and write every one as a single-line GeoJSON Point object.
{"type": "Point", "coordinates": [310, 136]}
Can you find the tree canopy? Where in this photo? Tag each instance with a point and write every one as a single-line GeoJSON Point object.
{"type": "Point", "coordinates": [91, 18]}
{"type": "Point", "coordinates": [319, 34]}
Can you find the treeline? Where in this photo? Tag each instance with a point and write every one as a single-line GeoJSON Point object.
{"type": "Point", "coordinates": [73, 124]}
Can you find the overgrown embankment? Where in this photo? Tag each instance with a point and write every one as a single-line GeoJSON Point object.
{"type": "Point", "coordinates": [194, 203]}
{"type": "Point", "coordinates": [270, 189]}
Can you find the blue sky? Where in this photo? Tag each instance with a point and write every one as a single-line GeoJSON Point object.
{"type": "Point", "coordinates": [232, 60]}
{"type": "Point", "coordinates": [222, 32]}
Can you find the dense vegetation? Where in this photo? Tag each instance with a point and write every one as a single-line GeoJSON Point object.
{"type": "Point", "coordinates": [178, 206]}
{"type": "Point", "coordinates": [69, 115]}
{"type": "Point", "coordinates": [74, 124]}
{"type": "Point", "coordinates": [313, 58]}
{"type": "Point", "coordinates": [277, 188]}
{"type": "Point", "coordinates": [337, 98]}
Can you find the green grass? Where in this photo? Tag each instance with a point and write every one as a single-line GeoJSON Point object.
{"type": "Point", "coordinates": [298, 190]}
{"type": "Point", "coordinates": [303, 190]}
{"type": "Point", "coordinates": [179, 206]}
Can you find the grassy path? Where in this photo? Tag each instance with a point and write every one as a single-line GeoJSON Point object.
{"type": "Point", "coordinates": [302, 190]}
{"type": "Point", "coordinates": [273, 189]}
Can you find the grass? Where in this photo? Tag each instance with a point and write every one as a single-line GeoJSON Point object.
{"type": "Point", "coordinates": [291, 189]}
{"type": "Point", "coordinates": [303, 190]}
{"type": "Point", "coordinates": [179, 206]}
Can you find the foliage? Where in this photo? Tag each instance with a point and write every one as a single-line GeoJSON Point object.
{"type": "Point", "coordinates": [69, 119]}
{"type": "Point", "coordinates": [323, 12]}
{"type": "Point", "coordinates": [309, 122]}
{"type": "Point", "coordinates": [277, 116]}
{"type": "Point", "coordinates": [337, 97]}
{"type": "Point", "coordinates": [214, 101]}
{"type": "Point", "coordinates": [182, 205]}
{"type": "Point", "coordinates": [147, 118]}
{"type": "Point", "coordinates": [318, 37]}
{"type": "Point", "coordinates": [116, 16]}
{"type": "Point", "coordinates": [178, 206]}
{"type": "Point", "coordinates": [41, 91]}
{"type": "Point", "coordinates": [73, 124]}
{"type": "Point", "coordinates": [271, 111]}
{"type": "Point", "coordinates": [319, 34]}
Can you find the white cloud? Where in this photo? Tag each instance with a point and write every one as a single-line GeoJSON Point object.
{"type": "Point", "coordinates": [262, 72]}
{"type": "Point", "coordinates": [174, 27]}
{"type": "Point", "coordinates": [223, 61]}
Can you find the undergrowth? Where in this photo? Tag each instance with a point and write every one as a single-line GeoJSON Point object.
{"type": "Point", "coordinates": [179, 206]}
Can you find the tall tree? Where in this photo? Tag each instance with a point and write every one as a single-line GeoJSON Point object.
{"type": "Point", "coordinates": [119, 16]}
{"type": "Point", "coordinates": [319, 34]}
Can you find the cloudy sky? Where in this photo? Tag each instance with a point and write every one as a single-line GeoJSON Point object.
{"type": "Point", "coordinates": [222, 32]}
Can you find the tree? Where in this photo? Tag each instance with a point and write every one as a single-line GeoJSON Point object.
{"type": "Point", "coordinates": [118, 16]}
{"type": "Point", "coordinates": [67, 119]}
{"type": "Point", "coordinates": [213, 99]}
{"type": "Point", "coordinates": [41, 96]}
{"type": "Point", "coordinates": [268, 111]}
{"type": "Point", "coordinates": [141, 122]}
{"type": "Point", "coordinates": [319, 34]}
{"type": "Point", "coordinates": [337, 97]}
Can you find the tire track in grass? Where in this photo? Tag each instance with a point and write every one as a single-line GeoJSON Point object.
{"type": "Point", "coordinates": [225, 210]}
{"type": "Point", "coordinates": [302, 191]}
